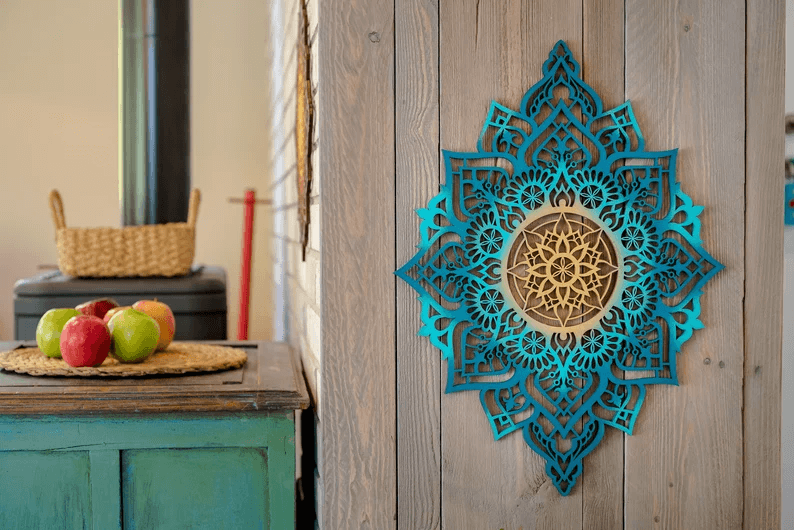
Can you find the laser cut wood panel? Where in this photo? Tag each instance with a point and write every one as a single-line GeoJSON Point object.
{"type": "Point", "coordinates": [488, 52]}
{"type": "Point", "coordinates": [566, 248]}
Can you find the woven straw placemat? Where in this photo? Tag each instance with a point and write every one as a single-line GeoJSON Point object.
{"type": "Point", "coordinates": [178, 358]}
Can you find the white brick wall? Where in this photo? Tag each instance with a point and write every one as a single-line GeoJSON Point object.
{"type": "Point", "coordinates": [298, 315]}
{"type": "Point", "coordinates": [297, 318]}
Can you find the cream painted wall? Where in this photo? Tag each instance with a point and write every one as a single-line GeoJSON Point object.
{"type": "Point", "coordinates": [230, 145]}
{"type": "Point", "coordinates": [59, 129]}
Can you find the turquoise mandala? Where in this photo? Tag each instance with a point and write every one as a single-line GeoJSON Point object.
{"type": "Point", "coordinates": [560, 269]}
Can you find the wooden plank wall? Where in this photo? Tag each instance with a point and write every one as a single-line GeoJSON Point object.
{"type": "Point", "coordinates": [763, 302]}
{"type": "Point", "coordinates": [685, 77]}
{"type": "Point", "coordinates": [358, 427]}
{"type": "Point", "coordinates": [405, 78]}
{"type": "Point", "coordinates": [418, 167]}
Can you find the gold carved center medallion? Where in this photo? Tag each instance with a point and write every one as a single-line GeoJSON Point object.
{"type": "Point", "coordinates": [561, 269]}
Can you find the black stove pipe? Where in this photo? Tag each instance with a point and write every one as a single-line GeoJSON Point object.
{"type": "Point", "coordinates": [154, 124]}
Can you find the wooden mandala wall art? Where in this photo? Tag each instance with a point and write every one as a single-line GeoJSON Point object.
{"type": "Point", "coordinates": [304, 126]}
{"type": "Point", "coordinates": [560, 269]}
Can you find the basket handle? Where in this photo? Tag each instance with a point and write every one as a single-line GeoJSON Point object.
{"type": "Point", "coordinates": [56, 207]}
{"type": "Point", "coordinates": [192, 211]}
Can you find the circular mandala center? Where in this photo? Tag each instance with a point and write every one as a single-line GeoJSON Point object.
{"type": "Point", "coordinates": [561, 269]}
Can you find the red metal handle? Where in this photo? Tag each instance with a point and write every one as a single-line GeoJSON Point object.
{"type": "Point", "coordinates": [245, 266]}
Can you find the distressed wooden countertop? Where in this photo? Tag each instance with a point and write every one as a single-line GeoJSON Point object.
{"type": "Point", "coordinates": [270, 380]}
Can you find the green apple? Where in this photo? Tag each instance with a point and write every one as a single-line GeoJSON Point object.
{"type": "Point", "coordinates": [112, 311]}
{"type": "Point", "coordinates": [48, 331]}
{"type": "Point", "coordinates": [134, 335]}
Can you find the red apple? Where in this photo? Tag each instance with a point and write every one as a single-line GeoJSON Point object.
{"type": "Point", "coordinates": [97, 307]}
{"type": "Point", "coordinates": [85, 341]}
{"type": "Point", "coordinates": [163, 315]}
{"type": "Point", "coordinates": [112, 311]}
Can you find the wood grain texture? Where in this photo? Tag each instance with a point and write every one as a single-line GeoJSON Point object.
{"type": "Point", "coordinates": [763, 263]}
{"type": "Point", "coordinates": [356, 124]}
{"type": "Point", "coordinates": [685, 77]}
{"type": "Point", "coordinates": [417, 174]}
{"type": "Point", "coordinates": [603, 62]}
{"type": "Point", "coordinates": [270, 380]}
{"type": "Point", "coordinates": [494, 51]}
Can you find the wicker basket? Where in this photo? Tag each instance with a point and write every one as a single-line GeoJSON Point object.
{"type": "Point", "coordinates": [148, 250]}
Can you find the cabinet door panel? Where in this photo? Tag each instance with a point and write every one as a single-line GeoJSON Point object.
{"type": "Point", "coordinates": [42, 489]}
{"type": "Point", "coordinates": [194, 488]}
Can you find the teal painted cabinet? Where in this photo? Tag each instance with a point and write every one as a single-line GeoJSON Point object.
{"type": "Point", "coordinates": [205, 451]}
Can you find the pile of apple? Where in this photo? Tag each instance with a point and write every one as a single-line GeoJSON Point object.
{"type": "Point", "coordinates": [87, 334]}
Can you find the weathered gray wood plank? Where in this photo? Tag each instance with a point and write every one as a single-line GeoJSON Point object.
{"type": "Point", "coordinates": [417, 174]}
{"type": "Point", "coordinates": [685, 76]}
{"type": "Point", "coordinates": [602, 68]}
{"type": "Point", "coordinates": [358, 426]}
{"type": "Point", "coordinates": [763, 262]}
{"type": "Point", "coordinates": [494, 50]}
